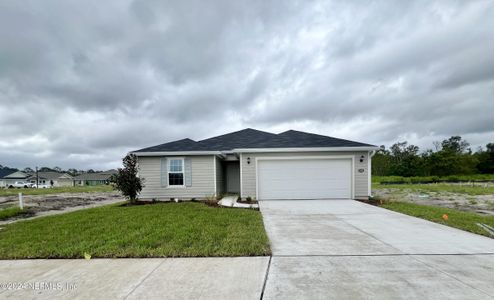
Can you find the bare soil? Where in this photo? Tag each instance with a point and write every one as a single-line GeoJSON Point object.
{"type": "Point", "coordinates": [482, 204]}
{"type": "Point", "coordinates": [39, 205]}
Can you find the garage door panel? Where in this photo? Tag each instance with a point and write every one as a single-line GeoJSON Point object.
{"type": "Point", "coordinates": [304, 179]}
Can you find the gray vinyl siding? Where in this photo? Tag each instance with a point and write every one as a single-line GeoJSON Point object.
{"type": "Point", "coordinates": [219, 177]}
{"type": "Point", "coordinates": [248, 171]}
{"type": "Point", "coordinates": [202, 179]}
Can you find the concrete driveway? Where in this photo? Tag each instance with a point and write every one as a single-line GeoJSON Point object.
{"type": "Point", "coordinates": [344, 249]}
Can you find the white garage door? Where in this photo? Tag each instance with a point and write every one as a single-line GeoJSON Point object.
{"type": "Point", "coordinates": [304, 179]}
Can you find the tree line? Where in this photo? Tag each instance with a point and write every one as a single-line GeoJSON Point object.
{"type": "Point", "coordinates": [452, 156]}
{"type": "Point", "coordinates": [70, 171]}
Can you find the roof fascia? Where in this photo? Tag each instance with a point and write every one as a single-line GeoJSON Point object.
{"type": "Point", "coordinates": [167, 153]}
{"type": "Point", "coordinates": [306, 149]}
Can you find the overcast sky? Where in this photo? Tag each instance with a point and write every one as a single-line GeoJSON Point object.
{"type": "Point", "coordinates": [84, 82]}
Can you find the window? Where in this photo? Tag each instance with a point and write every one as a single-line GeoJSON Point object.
{"type": "Point", "coordinates": [176, 172]}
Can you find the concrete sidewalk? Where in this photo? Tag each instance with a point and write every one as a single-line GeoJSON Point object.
{"type": "Point", "coordinates": [344, 249]}
{"type": "Point", "coordinates": [154, 278]}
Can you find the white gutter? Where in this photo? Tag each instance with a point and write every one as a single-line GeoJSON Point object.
{"type": "Point", "coordinates": [302, 149]}
{"type": "Point", "coordinates": [166, 153]}
{"type": "Point", "coordinates": [255, 150]}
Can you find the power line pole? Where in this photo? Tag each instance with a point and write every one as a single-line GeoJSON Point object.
{"type": "Point", "coordinates": [37, 178]}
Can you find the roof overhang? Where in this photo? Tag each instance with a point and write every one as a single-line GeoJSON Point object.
{"type": "Point", "coordinates": [309, 149]}
{"type": "Point", "coordinates": [177, 153]}
{"type": "Point", "coordinates": [255, 150]}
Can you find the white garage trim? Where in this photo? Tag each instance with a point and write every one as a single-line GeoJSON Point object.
{"type": "Point", "coordinates": [241, 181]}
{"type": "Point", "coordinates": [351, 157]}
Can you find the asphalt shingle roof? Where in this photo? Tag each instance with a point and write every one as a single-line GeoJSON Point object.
{"type": "Point", "coordinates": [6, 172]}
{"type": "Point", "coordinates": [251, 139]}
{"type": "Point", "coordinates": [48, 175]}
{"type": "Point", "coordinates": [96, 176]}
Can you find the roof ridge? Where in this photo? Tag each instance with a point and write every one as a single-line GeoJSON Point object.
{"type": "Point", "coordinates": [236, 132]}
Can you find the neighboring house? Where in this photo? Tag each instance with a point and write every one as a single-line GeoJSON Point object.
{"type": "Point", "coordinates": [57, 178]}
{"type": "Point", "coordinates": [3, 173]}
{"type": "Point", "coordinates": [257, 164]}
{"type": "Point", "coordinates": [13, 177]}
{"type": "Point", "coordinates": [97, 178]}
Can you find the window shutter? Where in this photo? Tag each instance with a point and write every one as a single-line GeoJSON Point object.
{"type": "Point", "coordinates": [188, 171]}
{"type": "Point", "coordinates": [164, 172]}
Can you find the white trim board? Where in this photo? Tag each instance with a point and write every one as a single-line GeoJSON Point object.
{"type": "Point", "coordinates": [309, 149]}
{"type": "Point", "coordinates": [350, 157]}
{"type": "Point", "coordinates": [241, 177]}
{"type": "Point", "coordinates": [256, 150]}
{"type": "Point", "coordinates": [214, 177]}
{"type": "Point", "coordinates": [164, 153]}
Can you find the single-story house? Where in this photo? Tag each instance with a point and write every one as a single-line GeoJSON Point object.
{"type": "Point", "coordinates": [259, 165]}
{"type": "Point", "coordinates": [13, 177]}
{"type": "Point", "coordinates": [96, 178]}
{"type": "Point", "coordinates": [57, 178]}
{"type": "Point", "coordinates": [4, 172]}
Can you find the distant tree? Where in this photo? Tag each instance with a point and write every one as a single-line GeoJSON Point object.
{"type": "Point", "coordinates": [405, 159]}
{"type": "Point", "coordinates": [91, 171]}
{"type": "Point", "coordinates": [46, 169]}
{"type": "Point", "coordinates": [454, 158]}
{"type": "Point", "coordinates": [57, 169]}
{"type": "Point", "coordinates": [72, 171]}
{"type": "Point", "coordinates": [28, 170]}
{"type": "Point", "coordinates": [451, 156]}
{"type": "Point", "coordinates": [486, 160]}
{"type": "Point", "coordinates": [381, 162]}
{"type": "Point", "coordinates": [126, 179]}
{"type": "Point", "coordinates": [455, 144]}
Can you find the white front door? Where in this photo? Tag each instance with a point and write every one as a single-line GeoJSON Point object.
{"type": "Point", "coordinates": [304, 179]}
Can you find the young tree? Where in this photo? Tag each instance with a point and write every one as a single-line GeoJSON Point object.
{"type": "Point", "coordinates": [126, 179]}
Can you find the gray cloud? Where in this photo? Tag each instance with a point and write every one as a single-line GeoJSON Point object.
{"type": "Point", "coordinates": [82, 83]}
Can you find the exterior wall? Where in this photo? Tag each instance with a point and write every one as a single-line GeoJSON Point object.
{"type": "Point", "coordinates": [248, 171]}
{"type": "Point", "coordinates": [62, 182]}
{"type": "Point", "coordinates": [202, 179]}
{"type": "Point", "coordinates": [2, 183]}
{"type": "Point", "coordinates": [12, 181]}
{"type": "Point", "coordinates": [220, 183]}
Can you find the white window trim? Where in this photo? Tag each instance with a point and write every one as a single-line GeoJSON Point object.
{"type": "Point", "coordinates": [169, 186]}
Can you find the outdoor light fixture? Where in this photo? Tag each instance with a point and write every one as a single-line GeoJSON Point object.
{"type": "Point", "coordinates": [362, 158]}
{"type": "Point", "coordinates": [248, 160]}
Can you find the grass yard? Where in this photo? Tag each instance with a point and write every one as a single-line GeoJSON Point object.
{"type": "Point", "coordinates": [477, 189]}
{"type": "Point", "coordinates": [458, 219]}
{"type": "Point", "coordinates": [56, 190]}
{"type": "Point", "coordinates": [10, 212]}
{"type": "Point", "coordinates": [157, 230]}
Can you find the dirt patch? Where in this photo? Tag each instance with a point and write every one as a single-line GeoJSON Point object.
{"type": "Point", "coordinates": [482, 204]}
{"type": "Point", "coordinates": [47, 204]}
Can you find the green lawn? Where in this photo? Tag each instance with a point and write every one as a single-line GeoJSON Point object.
{"type": "Point", "coordinates": [56, 190]}
{"type": "Point", "coordinates": [439, 187]}
{"type": "Point", "coordinates": [10, 212]}
{"type": "Point", "coordinates": [155, 230]}
{"type": "Point", "coordinates": [458, 219]}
